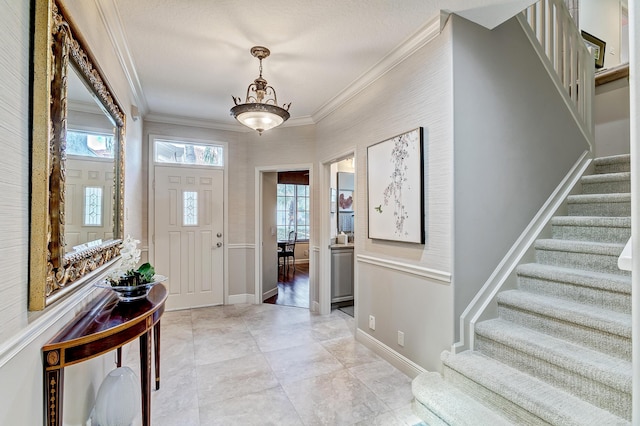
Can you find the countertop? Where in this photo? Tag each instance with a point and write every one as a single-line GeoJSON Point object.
{"type": "Point", "coordinates": [339, 246]}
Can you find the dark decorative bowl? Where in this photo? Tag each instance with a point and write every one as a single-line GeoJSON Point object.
{"type": "Point", "coordinates": [129, 293]}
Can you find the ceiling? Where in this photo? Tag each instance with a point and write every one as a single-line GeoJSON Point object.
{"type": "Point", "coordinates": [185, 59]}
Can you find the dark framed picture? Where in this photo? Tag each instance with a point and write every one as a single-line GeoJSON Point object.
{"type": "Point", "coordinates": [596, 47]}
{"type": "Point", "coordinates": [395, 188]}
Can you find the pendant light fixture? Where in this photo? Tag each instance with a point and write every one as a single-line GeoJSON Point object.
{"type": "Point", "coordinates": [260, 111]}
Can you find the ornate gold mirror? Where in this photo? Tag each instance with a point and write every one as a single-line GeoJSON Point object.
{"type": "Point", "coordinates": [77, 162]}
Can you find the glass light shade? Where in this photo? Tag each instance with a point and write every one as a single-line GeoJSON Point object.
{"type": "Point", "coordinates": [259, 116]}
{"type": "Point", "coordinates": [118, 401]}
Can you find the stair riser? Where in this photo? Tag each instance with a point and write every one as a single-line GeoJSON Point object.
{"type": "Point", "coordinates": [618, 302]}
{"type": "Point", "coordinates": [593, 391]}
{"type": "Point", "coordinates": [585, 261]}
{"type": "Point", "coordinates": [508, 409]}
{"type": "Point", "coordinates": [599, 209]}
{"type": "Point", "coordinates": [610, 187]}
{"type": "Point", "coordinates": [599, 340]}
{"type": "Point", "coordinates": [621, 167]}
{"type": "Point", "coordinates": [599, 234]}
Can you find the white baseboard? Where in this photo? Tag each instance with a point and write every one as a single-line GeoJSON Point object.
{"type": "Point", "coordinates": [238, 299]}
{"type": "Point", "coordinates": [399, 361]}
{"type": "Point", "coordinates": [269, 293]}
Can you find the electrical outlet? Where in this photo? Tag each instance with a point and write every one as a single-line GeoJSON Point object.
{"type": "Point", "coordinates": [400, 338]}
{"type": "Point", "coordinates": [372, 322]}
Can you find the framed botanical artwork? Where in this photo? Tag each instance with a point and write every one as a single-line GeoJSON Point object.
{"type": "Point", "coordinates": [595, 46]}
{"type": "Point", "coordinates": [395, 188]}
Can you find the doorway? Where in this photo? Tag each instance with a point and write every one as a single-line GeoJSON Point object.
{"type": "Point", "coordinates": [186, 215]}
{"type": "Point", "coordinates": [283, 235]}
{"type": "Point", "coordinates": [338, 275]}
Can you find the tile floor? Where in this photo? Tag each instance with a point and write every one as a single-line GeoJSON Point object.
{"type": "Point", "coordinates": [272, 365]}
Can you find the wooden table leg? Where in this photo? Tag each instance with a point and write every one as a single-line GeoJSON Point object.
{"type": "Point", "coordinates": [156, 342]}
{"type": "Point", "coordinates": [54, 387]}
{"type": "Point", "coordinates": [145, 376]}
{"type": "Point", "coordinates": [119, 357]}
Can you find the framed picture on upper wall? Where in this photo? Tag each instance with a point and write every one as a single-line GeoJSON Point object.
{"type": "Point", "coordinates": [596, 47]}
{"type": "Point", "coordinates": [395, 188]}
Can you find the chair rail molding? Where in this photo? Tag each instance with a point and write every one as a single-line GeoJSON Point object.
{"type": "Point", "coordinates": [442, 277]}
{"type": "Point", "coordinates": [41, 321]}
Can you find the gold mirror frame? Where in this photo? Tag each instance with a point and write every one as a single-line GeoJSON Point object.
{"type": "Point", "coordinates": [52, 272]}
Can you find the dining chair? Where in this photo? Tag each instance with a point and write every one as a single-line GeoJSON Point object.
{"type": "Point", "coordinates": [287, 252]}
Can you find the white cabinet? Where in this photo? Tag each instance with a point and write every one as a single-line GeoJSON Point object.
{"type": "Point", "coordinates": [341, 273]}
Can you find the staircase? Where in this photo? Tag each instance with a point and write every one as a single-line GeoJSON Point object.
{"type": "Point", "coordinates": [560, 350]}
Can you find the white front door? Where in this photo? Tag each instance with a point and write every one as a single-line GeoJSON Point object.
{"type": "Point", "coordinates": [188, 234]}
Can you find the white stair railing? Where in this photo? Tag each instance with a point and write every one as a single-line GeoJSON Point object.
{"type": "Point", "coordinates": [558, 42]}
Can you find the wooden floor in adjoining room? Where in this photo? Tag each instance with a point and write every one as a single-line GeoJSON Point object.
{"type": "Point", "coordinates": [293, 287]}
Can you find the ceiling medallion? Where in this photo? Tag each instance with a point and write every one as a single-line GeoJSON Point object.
{"type": "Point", "coordinates": [260, 111]}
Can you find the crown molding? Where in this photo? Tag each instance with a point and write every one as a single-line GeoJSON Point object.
{"type": "Point", "coordinates": [110, 16]}
{"type": "Point", "coordinates": [405, 49]}
{"type": "Point", "coordinates": [194, 122]}
{"type": "Point", "coordinates": [210, 124]}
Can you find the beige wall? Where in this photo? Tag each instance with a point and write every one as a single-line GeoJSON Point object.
{"type": "Point", "coordinates": [417, 92]}
{"type": "Point", "coordinates": [280, 148]}
{"type": "Point", "coordinates": [612, 117]}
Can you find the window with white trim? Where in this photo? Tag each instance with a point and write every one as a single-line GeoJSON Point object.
{"type": "Point", "coordinates": [292, 213]}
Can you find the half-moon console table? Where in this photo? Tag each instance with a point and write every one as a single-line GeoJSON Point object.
{"type": "Point", "coordinates": [106, 324]}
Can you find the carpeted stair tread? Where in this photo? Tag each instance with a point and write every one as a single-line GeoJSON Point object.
{"type": "Point", "coordinates": [624, 159]}
{"type": "Point", "coordinates": [615, 222]}
{"type": "Point", "coordinates": [450, 405]}
{"type": "Point", "coordinates": [594, 365]}
{"type": "Point", "coordinates": [590, 247]}
{"type": "Point", "coordinates": [547, 402]}
{"type": "Point", "coordinates": [599, 198]}
{"type": "Point", "coordinates": [606, 183]}
{"type": "Point", "coordinates": [603, 229]}
{"type": "Point", "coordinates": [588, 316]}
{"type": "Point", "coordinates": [606, 177]}
{"type": "Point", "coordinates": [609, 282]}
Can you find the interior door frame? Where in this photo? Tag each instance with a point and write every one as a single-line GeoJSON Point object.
{"type": "Point", "coordinates": [151, 199]}
{"type": "Point", "coordinates": [259, 172]}
{"type": "Point", "coordinates": [326, 224]}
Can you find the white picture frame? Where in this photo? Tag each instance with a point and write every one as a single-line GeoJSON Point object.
{"type": "Point", "coordinates": [395, 188]}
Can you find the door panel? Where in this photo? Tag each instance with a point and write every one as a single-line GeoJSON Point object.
{"type": "Point", "coordinates": [188, 234]}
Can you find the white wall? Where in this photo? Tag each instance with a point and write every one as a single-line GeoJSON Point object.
{"type": "Point", "coordinates": [417, 92]}
{"type": "Point", "coordinates": [601, 18]}
{"type": "Point", "coordinates": [22, 334]}
{"type": "Point", "coordinates": [514, 143]}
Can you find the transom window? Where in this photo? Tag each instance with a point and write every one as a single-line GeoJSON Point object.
{"type": "Point", "coordinates": [175, 152]}
{"type": "Point", "coordinates": [90, 144]}
{"type": "Point", "coordinates": [293, 211]}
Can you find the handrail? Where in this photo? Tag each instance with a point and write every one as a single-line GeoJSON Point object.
{"type": "Point", "coordinates": [558, 42]}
